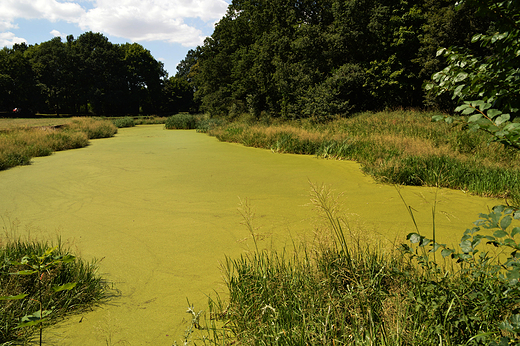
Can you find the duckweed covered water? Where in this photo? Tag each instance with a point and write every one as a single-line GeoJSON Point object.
{"type": "Point", "coordinates": [159, 209]}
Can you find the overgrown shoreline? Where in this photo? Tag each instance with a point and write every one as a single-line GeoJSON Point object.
{"type": "Point", "coordinates": [40, 284]}
{"type": "Point", "coordinates": [345, 291]}
{"type": "Point", "coordinates": [396, 147]}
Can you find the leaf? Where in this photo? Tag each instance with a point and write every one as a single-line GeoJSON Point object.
{"type": "Point", "coordinates": [505, 222]}
{"type": "Point", "coordinates": [441, 51]}
{"type": "Point", "coordinates": [20, 296]}
{"type": "Point", "coordinates": [462, 107]}
{"type": "Point", "coordinates": [25, 272]}
{"type": "Point", "coordinates": [414, 238]}
{"type": "Point", "coordinates": [474, 118]}
{"type": "Point", "coordinates": [66, 287]}
{"type": "Point", "coordinates": [515, 231]}
{"type": "Point", "coordinates": [34, 319]}
{"type": "Point", "coordinates": [510, 242]}
{"type": "Point", "coordinates": [446, 252]}
{"type": "Point", "coordinates": [493, 112]}
{"type": "Point", "coordinates": [468, 111]}
{"type": "Point", "coordinates": [502, 119]}
{"type": "Point", "coordinates": [466, 246]}
{"type": "Point", "coordinates": [500, 234]}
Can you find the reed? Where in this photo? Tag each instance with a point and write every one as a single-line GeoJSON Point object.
{"type": "Point", "coordinates": [89, 290]}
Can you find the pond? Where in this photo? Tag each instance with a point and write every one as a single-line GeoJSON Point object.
{"type": "Point", "coordinates": [159, 210]}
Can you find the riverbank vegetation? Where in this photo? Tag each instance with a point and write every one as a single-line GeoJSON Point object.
{"type": "Point", "coordinates": [18, 145]}
{"type": "Point", "coordinates": [40, 284]}
{"type": "Point", "coordinates": [350, 289]}
{"type": "Point", "coordinates": [397, 147]}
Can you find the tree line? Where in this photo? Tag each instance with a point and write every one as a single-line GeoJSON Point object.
{"type": "Point", "coordinates": [307, 58]}
{"type": "Point", "coordinates": [88, 75]}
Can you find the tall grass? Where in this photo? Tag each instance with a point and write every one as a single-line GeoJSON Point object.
{"type": "Point", "coordinates": [400, 147]}
{"type": "Point", "coordinates": [19, 145]}
{"type": "Point", "coordinates": [348, 292]}
{"type": "Point", "coordinates": [90, 289]}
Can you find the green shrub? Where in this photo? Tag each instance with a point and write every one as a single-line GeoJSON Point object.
{"type": "Point", "coordinates": [181, 121]}
{"type": "Point", "coordinates": [124, 122]}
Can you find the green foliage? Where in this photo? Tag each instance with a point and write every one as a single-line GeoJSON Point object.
{"type": "Point", "coordinates": [181, 121]}
{"type": "Point", "coordinates": [79, 76]}
{"type": "Point", "coordinates": [299, 59]}
{"type": "Point", "coordinates": [346, 292]}
{"type": "Point", "coordinates": [492, 282]}
{"type": "Point", "coordinates": [490, 80]}
{"type": "Point", "coordinates": [124, 122]}
{"type": "Point", "coordinates": [39, 285]}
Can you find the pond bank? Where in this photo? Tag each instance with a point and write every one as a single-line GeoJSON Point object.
{"type": "Point", "coordinates": [159, 208]}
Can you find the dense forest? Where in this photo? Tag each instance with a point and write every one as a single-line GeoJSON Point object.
{"type": "Point", "coordinates": [306, 58]}
{"type": "Point", "coordinates": [87, 75]}
{"type": "Point", "coordinates": [270, 58]}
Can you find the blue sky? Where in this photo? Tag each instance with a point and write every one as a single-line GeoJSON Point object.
{"type": "Point", "coordinates": [167, 28]}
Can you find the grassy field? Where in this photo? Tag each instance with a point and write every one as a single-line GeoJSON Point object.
{"type": "Point", "coordinates": [398, 147]}
{"type": "Point", "coordinates": [13, 123]}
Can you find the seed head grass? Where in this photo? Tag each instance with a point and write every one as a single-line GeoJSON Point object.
{"type": "Point", "coordinates": [345, 290]}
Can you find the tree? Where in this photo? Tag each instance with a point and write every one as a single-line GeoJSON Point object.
{"type": "Point", "coordinates": [178, 95]}
{"type": "Point", "coordinates": [143, 78]}
{"type": "Point", "coordinates": [487, 85]}
{"type": "Point", "coordinates": [48, 62]}
{"type": "Point", "coordinates": [17, 81]}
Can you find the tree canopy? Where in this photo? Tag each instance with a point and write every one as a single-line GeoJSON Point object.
{"type": "Point", "coordinates": [87, 75]}
{"type": "Point", "coordinates": [299, 58]}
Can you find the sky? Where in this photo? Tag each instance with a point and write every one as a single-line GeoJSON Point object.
{"type": "Point", "coordinates": [167, 28]}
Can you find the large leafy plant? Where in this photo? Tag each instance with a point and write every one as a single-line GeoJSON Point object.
{"type": "Point", "coordinates": [487, 83]}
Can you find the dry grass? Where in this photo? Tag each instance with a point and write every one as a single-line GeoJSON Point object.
{"type": "Point", "coordinates": [19, 144]}
{"type": "Point", "coordinates": [14, 123]}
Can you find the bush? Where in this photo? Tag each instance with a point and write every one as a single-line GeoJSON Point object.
{"type": "Point", "coordinates": [181, 121]}
{"type": "Point", "coordinates": [124, 122]}
{"type": "Point", "coordinates": [206, 125]}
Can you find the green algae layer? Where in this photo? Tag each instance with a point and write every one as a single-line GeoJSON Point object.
{"type": "Point", "coordinates": [159, 209]}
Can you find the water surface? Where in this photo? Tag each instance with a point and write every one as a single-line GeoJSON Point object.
{"type": "Point", "coordinates": [159, 208]}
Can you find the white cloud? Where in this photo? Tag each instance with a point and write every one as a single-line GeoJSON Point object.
{"type": "Point", "coordinates": [56, 33]}
{"type": "Point", "coordinates": [6, 25]}
{"type": "Point", "coordinates": [40, 9]}
{"type": "Point", "coordinates": [135, 20]}
{"type": "Point", "coordinates": [7, 39]}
